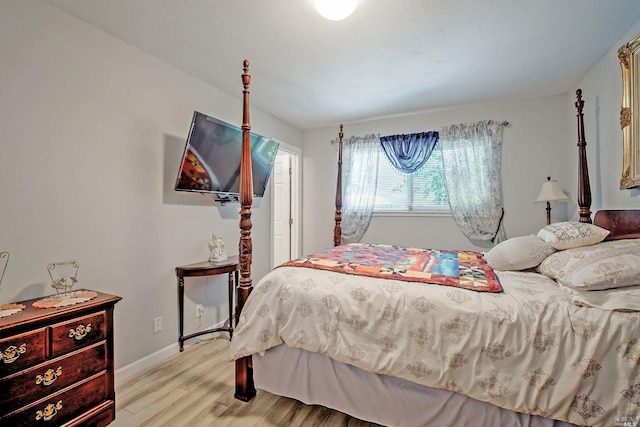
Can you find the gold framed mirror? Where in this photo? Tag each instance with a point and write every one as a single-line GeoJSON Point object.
{"type": "Point", "coordinates": [629, 55]}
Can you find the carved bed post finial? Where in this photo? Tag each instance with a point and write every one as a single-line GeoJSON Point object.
{"type": "Point", "coordinates": [245, 388]}
{"type": "Point", "coordinates": [337, 231]}
{"type": "Point", "coordinates": [584, 187]}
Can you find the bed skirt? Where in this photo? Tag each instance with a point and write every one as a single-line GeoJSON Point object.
{"type": "Point", "coordinates": [315, 379]}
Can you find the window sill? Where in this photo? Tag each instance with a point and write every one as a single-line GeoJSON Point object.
{"type": "Point", "coordinates": [412, 214]}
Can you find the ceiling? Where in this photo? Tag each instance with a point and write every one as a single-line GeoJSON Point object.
{"type": "Point", "coordinates": [390, 57]}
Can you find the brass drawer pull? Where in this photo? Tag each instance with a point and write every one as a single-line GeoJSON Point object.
{"type": "Point", "coordinates": [49, 376]}
{"type": "Point", "coordinates": [49, 411]}
{"type": "Point", "coordinates": [80, 332]}
{"type": "Point", "coordinates": [12, 353]}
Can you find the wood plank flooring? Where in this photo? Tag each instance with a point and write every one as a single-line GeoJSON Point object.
{"type": "Point", "coordinates": [195, 388]}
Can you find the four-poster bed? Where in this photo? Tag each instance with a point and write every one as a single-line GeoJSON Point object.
{"type": "Point", "coordinates": [436, 355]}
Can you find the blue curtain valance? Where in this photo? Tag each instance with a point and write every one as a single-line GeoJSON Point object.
{"type": "Point", "coordinates": [407, 153]}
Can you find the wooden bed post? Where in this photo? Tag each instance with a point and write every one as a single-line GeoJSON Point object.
{"type": "Point", "coordinates": [584, 187]}
{"type": "Point", "coordinates": [337, 231]}
{"type": "Point", "coordinates": [245, 389]}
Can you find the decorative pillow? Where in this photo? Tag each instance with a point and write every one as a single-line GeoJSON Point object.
{"type": "Point", "coordinates": [518, 253]}
{"type": "Point", "coordinates": [567, 235]}
{"type": "Point", "coordinates": [607, 265]}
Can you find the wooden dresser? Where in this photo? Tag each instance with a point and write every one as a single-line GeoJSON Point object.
{"type": "Point", "coordinates": [56, 365]}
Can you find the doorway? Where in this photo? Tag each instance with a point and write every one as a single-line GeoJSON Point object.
{"type": "Point", "coordinates": [286, 205]}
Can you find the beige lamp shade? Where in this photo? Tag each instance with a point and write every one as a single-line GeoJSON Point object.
{"type": "Point", "coordinates": [551, 192]}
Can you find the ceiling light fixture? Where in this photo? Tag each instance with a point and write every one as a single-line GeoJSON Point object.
{"type": "Point", "coordinates": [335, 10]}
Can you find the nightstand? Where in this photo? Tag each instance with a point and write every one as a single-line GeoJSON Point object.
{"type": "Point", "coordinates": [207, 268]}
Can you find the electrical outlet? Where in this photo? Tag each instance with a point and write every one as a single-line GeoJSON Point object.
{"type": "Point", "coordinates": [157, 324]}
{"type": "Point", "coordinates": [199, 311]}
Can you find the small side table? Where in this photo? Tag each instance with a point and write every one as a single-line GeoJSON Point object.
{"type": "Point", "coordinates": [206, 268]}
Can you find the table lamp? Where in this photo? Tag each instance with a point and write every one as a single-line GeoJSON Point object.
{"type": "Point", "coordinates": [551, 192]}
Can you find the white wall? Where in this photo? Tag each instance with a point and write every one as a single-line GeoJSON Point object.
{"type": "Point", "coordinates": [602, 94]}
{"type": "Point", "coordinates": [533, 148]}
{"type": "Point", "coordinates": [91, 134]}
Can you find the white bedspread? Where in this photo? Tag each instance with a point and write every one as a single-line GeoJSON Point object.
{"type": "Point", "coordinates": [529, 349]}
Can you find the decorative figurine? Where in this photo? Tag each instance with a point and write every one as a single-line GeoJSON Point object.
{"type": "Point", "coordinates": [66, 279]}
{"type": "Point", "coordinates": [8, 309]}
{"type": "Point", "coordinates": [4, 254]}
{"type": "Point", "coordinates": [63, 277]}
{"type": "Point", "coordinates": [218, 253]}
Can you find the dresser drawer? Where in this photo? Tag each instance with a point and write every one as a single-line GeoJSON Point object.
{"type": "Point", "coordinates": [33, 384]}
{"type": "Point", "coordinates": [21, 351]}
{"type": "Point", "coordinates": [77, 333]}
{"type": "Point", "coordinates": [62, 406]}
{"type": "Point", "coordinates": [101, 415]}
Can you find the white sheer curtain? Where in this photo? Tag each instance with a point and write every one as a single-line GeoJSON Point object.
{"type": "Point", "coordinates": [472, 157]}
{"type": "Point", "coordinates": [360, 156]}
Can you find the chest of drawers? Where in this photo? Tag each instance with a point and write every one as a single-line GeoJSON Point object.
{"type": "Point", "coordinates": [56, 365]}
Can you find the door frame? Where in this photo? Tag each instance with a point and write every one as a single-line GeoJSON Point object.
{"type": "Point", "coordinates": [295, 154]}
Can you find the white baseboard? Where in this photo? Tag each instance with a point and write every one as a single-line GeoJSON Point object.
{"type": "Point", "coordinates": [146, 362]}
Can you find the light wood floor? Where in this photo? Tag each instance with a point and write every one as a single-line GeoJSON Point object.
{"type": "Point", "coordinates": [195, 388]}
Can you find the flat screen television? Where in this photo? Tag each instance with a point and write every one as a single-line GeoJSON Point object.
{"type": "Point", "coordinates": [211, 159]}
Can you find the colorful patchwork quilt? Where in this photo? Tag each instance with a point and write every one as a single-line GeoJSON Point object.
{"type": "Point", "coordinates": [460, 269]}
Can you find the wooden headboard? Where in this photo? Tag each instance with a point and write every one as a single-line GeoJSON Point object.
{"type": "Point", "coordinates": [623, 224]}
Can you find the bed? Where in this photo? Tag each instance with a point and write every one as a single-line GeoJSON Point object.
{"type": "Point", "coordinates": [553, 345]}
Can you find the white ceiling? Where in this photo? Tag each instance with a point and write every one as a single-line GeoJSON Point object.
{"type": "Point", "coordinates": [390, 57]}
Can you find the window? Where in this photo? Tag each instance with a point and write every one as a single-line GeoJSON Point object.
{"type": "Point", "coordinates": [422, 191]}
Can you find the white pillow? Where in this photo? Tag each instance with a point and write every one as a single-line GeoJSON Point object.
{"type": "Point", "coordinates": [518, 253]}
{"type": "Point", "coordinates": [567, 235]}
{"type": "Point", "coordinates": [607, 265]}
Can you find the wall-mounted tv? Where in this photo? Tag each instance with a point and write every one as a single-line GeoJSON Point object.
{"type": "Point", "coordinates": [211, 159]}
